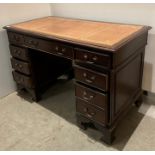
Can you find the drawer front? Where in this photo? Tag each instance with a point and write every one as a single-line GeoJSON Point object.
{"type": "Point", "coordinates": [20, 53]}
{"type": "Point", "coordinates": [50, 47]}
{"type": "Point", "coordinates": [39, 44]}
{"type": "Point", "coordinates": [91, 96]}
{"type": "Point", "coordinates": [16, 38]}
{"type": "Point", "coordinates": [92, 78]}
{"type": "Point", "coordinates": [91, 112]}
{"type": "Point", "coordinates": [21, 66]}
{"type": "Point", "coordinates": [23, 79]}
{"type": "Point", "coordinates": [92, 58]}
{"type": "Point", "coordinates": [63, 50]}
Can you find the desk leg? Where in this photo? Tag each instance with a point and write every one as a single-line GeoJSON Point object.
{"type": "Point", "coordinates": [108, 133]}
{"type": "Point", "coordinates": [139, 101]}
{"type": "Point", "coordinates": [108, 136]}
{"type": "Point", "coordinates": [35, 95]}
{"type": "Point", "coordinates": [80, 124]}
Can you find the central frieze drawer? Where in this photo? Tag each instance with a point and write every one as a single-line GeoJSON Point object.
{"type": "Point", "coordinates": [91, 112]}
{"type": "Point", "coordinates": [91, 96]}
{"type": "Point", "coordinates": [49, 46]}
{"type": "Point", "coordinates": [21, 66]}
{"type": "Point", "coordinates": [92, 78]}
{"type": "Point", "coordinates": [89, 57]}
{"type": "Point", "coordinates": [39, 44]}
{"type": "Point", "coordinates": [23, 79]}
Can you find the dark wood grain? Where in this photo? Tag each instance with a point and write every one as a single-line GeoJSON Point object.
{"type": "Point", "coordinates": [91, 96]}
{"type": "Point", "coordinates": [92, 78]}
{"type": "Point", "coordinates": [20, 66]}
{"type": "Point", "coordinates": [19, 53]}
{"type": "Point", "coordinates": [108, 80]}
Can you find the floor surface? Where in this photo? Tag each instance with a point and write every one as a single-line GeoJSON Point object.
{"type": "Point", "coordinates": [51, 124]}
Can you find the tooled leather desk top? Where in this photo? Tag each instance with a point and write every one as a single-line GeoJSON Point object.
{"type": "Point", "coordinates": [102, 34]}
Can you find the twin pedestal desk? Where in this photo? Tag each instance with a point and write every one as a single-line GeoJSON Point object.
{"type": "Point", "coordinates": [106, 58]}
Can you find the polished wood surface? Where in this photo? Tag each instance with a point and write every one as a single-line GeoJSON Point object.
{"type": "Point", "coordinates": [104, 34]}
{"type": "Point", "coordinates": [107, 80]}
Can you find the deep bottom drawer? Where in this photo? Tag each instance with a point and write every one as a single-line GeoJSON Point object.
{"type": "Point", "coordinates": [23, 80]}
{"type": "Point", "coordinates": [91, 112]}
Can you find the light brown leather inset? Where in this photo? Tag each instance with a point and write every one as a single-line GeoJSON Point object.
{"type": "Point", "coordinates": [108, 35]}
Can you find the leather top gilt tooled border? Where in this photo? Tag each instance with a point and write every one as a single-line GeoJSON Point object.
{"type": "Point", "coordinates": [104, 35]}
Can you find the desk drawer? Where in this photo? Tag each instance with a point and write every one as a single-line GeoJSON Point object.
{"type": "Point", "coordinates": [23, 79]}
{"type": "Point", "coordinates": [63, 50]}
{"type": "Point", "coordinates": [91, 78]}
{"type": "Point", "coordinates": [38, 44]}
{"type": "Point", "coordinates": [91, 112]}
{"type": "Point", "coordinates": [20, 53]}
{"type": "Point", "coordinates": [16, 38]}
{"type": "Point", "coordinates": [91, 96]}
{"type": "Point", "coordinates": [21, 66]}
{"type": "Point", "coordinates": [50, 47]}
{"type": "Point", "coordinates": [92, 58]}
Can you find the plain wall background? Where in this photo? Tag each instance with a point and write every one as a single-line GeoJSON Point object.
{"type": "Point", "coordinates": [9, 14]}
{"type": "Point", "coordinates": [124, 13]}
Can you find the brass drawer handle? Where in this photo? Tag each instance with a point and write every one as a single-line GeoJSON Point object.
{"type": "Point", "coordinates": [59, 53]}
{"type": "Point", "coordinates": [93, 78]}
{"type": "Point", "coordinates": [85, 74]}
{"type": "Point", "coordinates": [85, 56]}
{"type": "Point", "coordinates": [87, 98]}
{"type": "Point", "coordinates": [33, 43]}
{"type": "Point", "coordinates": [95, 58]}
{"type": "Point", "coordinates": [90, 62]}
{"type": "Point", "coordinates": [18, 65]}
{"type": "Point", "coordinates": [63, 50]}
{"type": "Point", "coordinates": [90, 80]}
{"type": "Point", "coordinates": [89, 114]}
{"type": "Point", "coordinates": [56, 48]}
{"type": "Point", "coordinates": [18, 52]}
{"type": "Point", "coordinates": [16, 38]}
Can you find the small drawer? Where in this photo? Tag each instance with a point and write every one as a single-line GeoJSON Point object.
{"type": "Point", "coordinates": [20, 53]}
{"type": "Point", "coordinates": [23, 79]}
{"type": "Point", "coordinates": [91, 112]}
{"type": "Point", "coordinates": [16, 38]}
{"type": "Point", "coordinates": [39, 44]}
{"type": "Point", "coordinates": [33, 42]}
{"type": "Point", "coordinates": [21, 66]}
{"type": "Point", "coordinates": [92, 58]}
{"type": "Point", "coordinates": [92, 78]}
{"type": "Point", "coordinates": [91, 96]}
{"type": "Point", "coordinates": [63, 50]}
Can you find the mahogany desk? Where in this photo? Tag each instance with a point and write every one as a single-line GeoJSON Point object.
{"type": "Point", "coordinates": [107, 60]}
